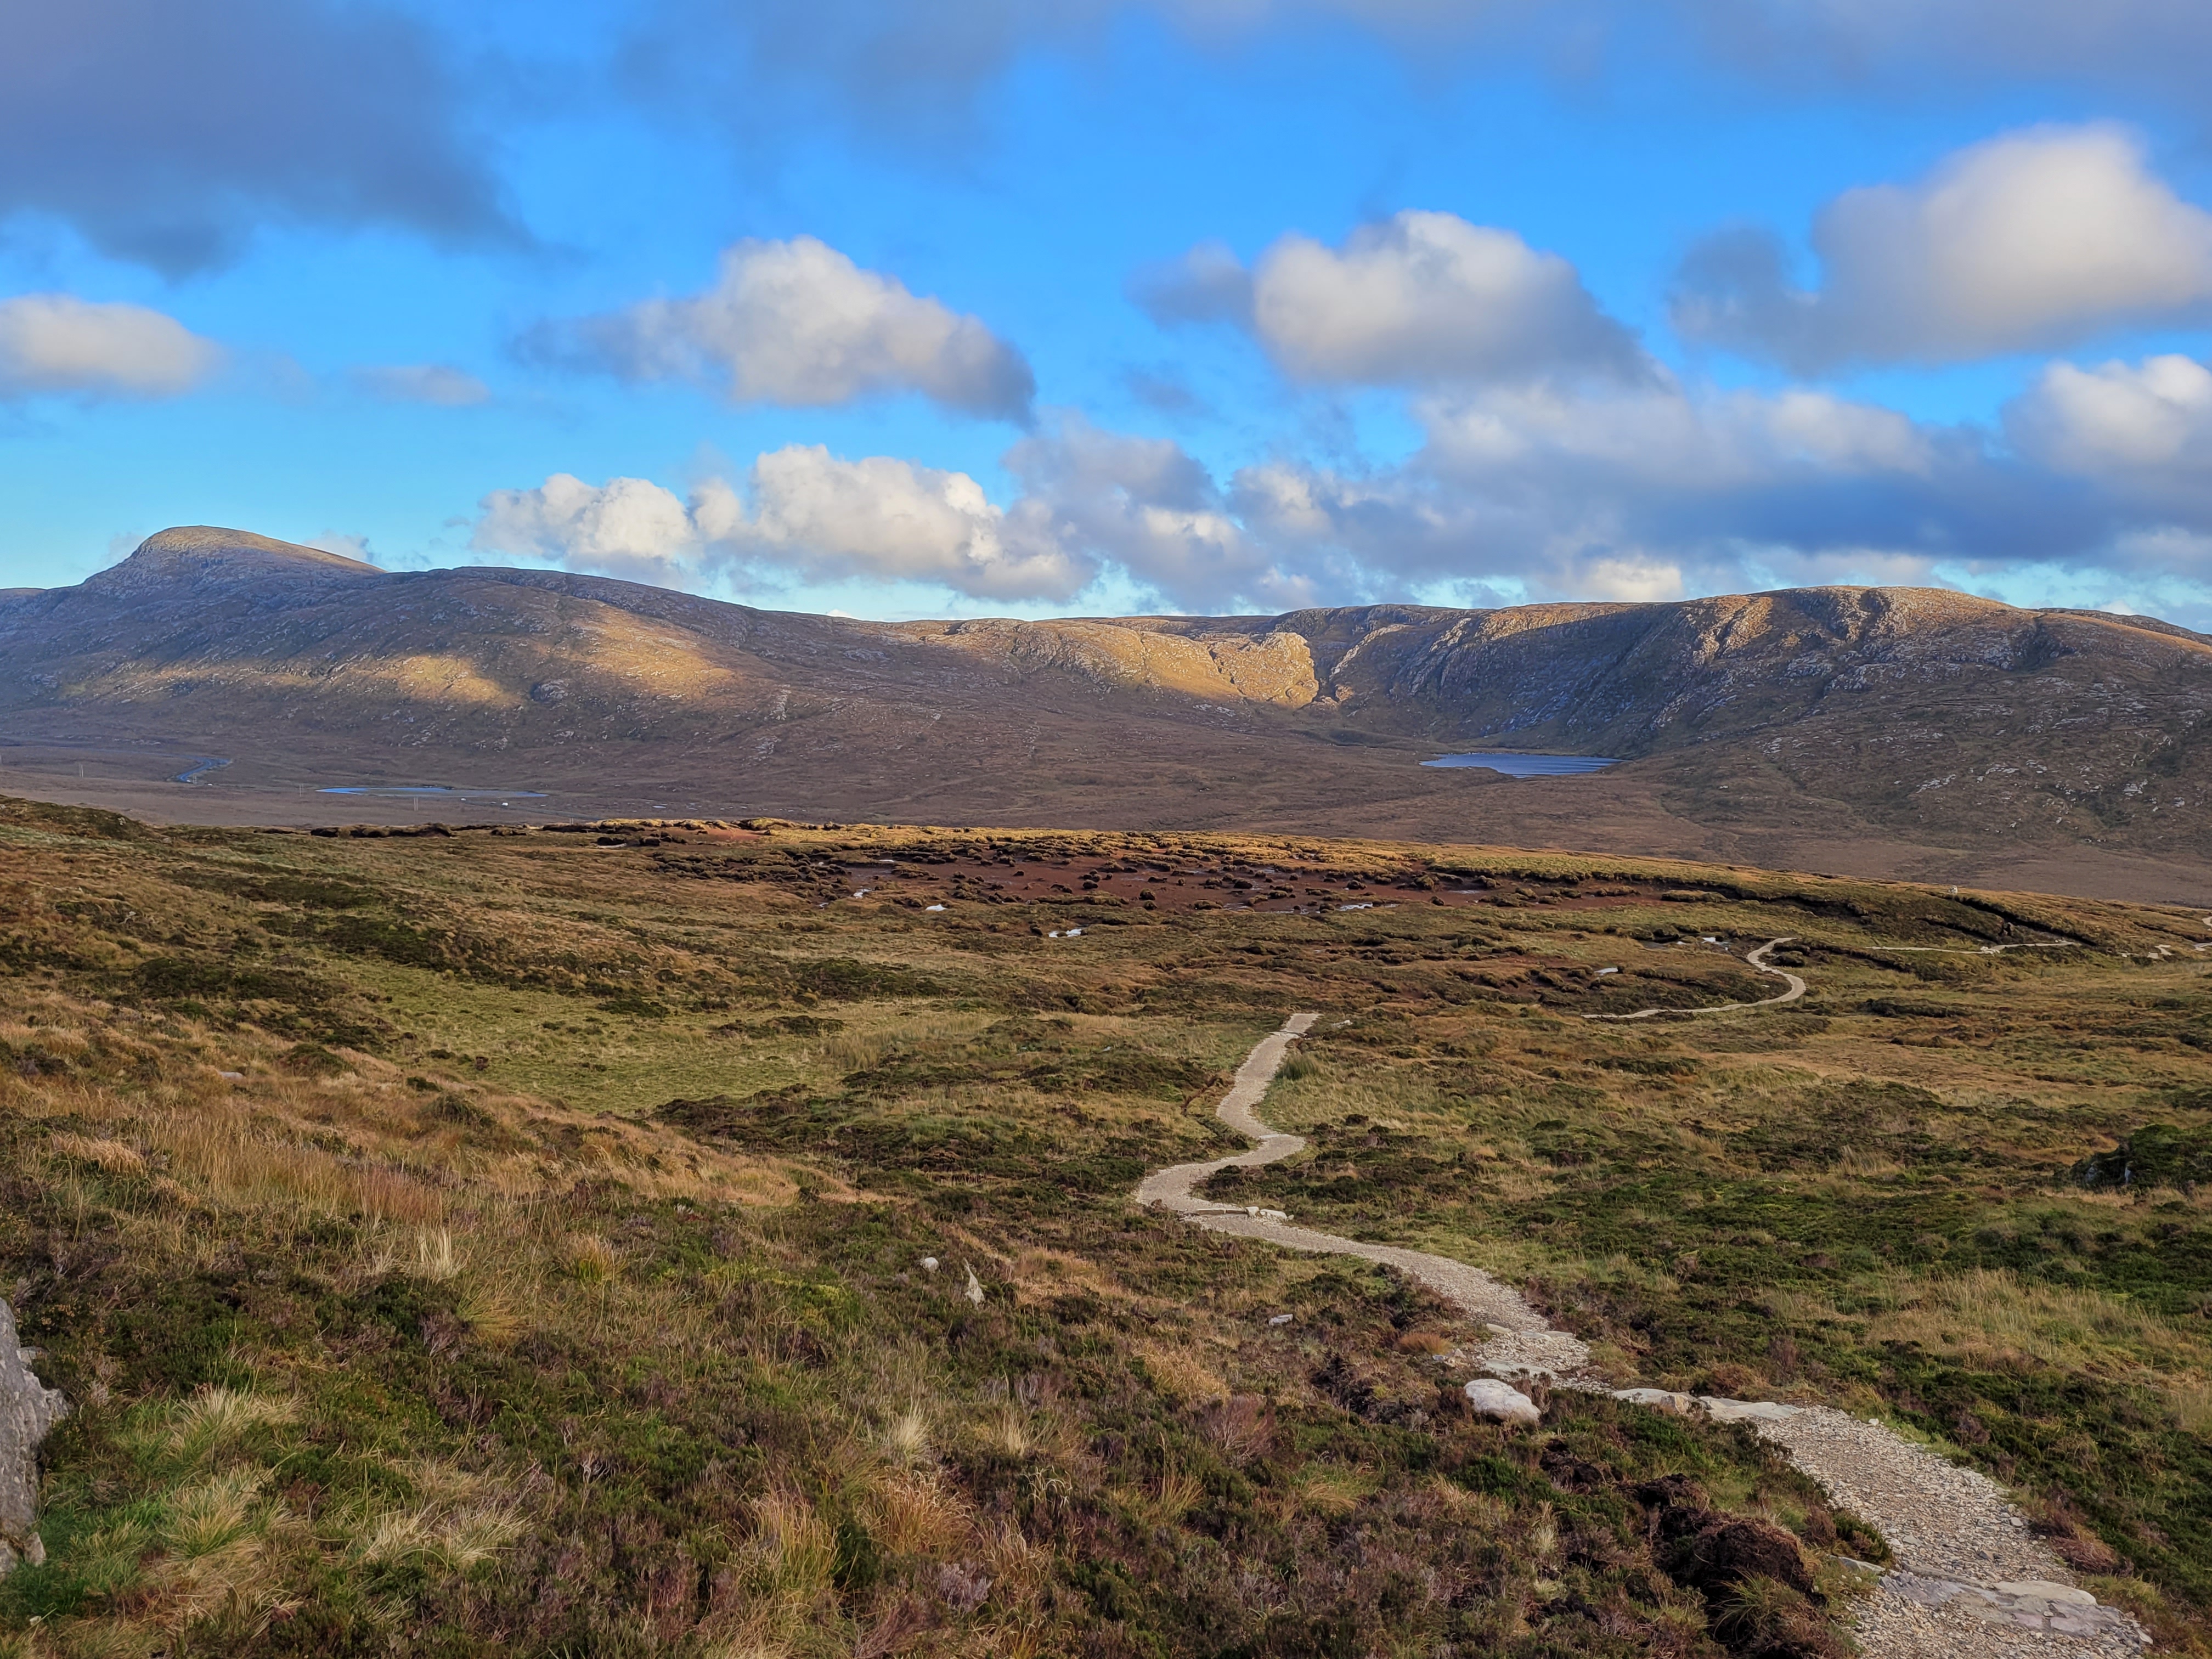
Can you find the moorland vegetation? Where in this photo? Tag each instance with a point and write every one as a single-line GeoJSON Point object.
{"type": "Point", "coordinates": [695, 1239]}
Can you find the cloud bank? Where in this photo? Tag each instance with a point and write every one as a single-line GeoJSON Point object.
{"type": "Point", "coordinates": [1640, 492]}
{"type": "Point", "coordinates": [924, 76]}
{"type": "Point", "coordinates": [166, 131]}
{"type": "Point", "coordinates": [799, 323]}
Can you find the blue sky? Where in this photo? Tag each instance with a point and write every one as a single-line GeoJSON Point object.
{"type": "Point", "coordinates": [1009, 308]}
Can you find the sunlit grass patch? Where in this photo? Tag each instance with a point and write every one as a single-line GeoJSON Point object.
{"type": "Point", "coordinates": [1993, 1318]}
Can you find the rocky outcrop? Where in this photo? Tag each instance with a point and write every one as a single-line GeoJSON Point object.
{"type": "Point", "coordinates": [29, 1409]}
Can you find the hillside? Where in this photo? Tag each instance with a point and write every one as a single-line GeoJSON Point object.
{"type": "Point", "coordinates": [1897, 732]}
{"type": "Point", "coordinates": [672, 1239]}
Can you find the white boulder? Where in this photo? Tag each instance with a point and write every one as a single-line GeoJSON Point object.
{"type": "Point", "coordinates": [1502, 1401]}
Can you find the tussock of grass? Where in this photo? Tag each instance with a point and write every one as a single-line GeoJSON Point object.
{"type": "Point", "coordinates": [590, 1259]}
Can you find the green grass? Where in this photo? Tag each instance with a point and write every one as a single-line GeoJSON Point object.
{"type": "Point", "coordinates": [620, 1341]}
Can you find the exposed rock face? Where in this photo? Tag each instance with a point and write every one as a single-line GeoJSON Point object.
{"type": "Point", "coordinates": [27, 1410]}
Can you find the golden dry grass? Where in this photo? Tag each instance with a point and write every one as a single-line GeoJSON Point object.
{"type": "Point", "coordinates": [1992, 1318]}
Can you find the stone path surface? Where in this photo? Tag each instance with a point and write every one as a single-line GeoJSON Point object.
{"type": "Point", "coordinates": [1969, 1581]}
{"type": "Point", "coordinates": [1795, 988]}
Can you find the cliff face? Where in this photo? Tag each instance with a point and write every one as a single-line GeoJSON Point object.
{"type": "Point", "coordinates": [1885, 711]}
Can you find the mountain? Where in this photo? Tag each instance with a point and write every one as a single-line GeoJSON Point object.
{"type": "Point", "coordinates": [1872, 730]}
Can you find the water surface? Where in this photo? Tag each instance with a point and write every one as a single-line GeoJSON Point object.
{"type": "Point", "coordinates": [1528, 766]}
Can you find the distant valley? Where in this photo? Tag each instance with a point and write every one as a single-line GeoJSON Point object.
{"type": "Point", "coordinates": [1910, 733]}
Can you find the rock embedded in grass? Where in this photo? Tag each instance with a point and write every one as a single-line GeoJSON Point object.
{"type": "Point", "coordinates": [1491, 1397]}
{"type": "Point", "coordinates": [29, 1409]}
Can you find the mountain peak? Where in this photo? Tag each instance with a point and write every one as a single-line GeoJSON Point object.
{"type": "Point", "coordinates": [199, 552]}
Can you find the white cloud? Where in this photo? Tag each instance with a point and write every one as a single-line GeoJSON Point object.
{"type": "Point", "coordinates": [1144, 505]}
{"type": "Point", "coordinates": [438, 383]}
{"type": "Point", "coordinates": [2028, 240]}
{"type": "Point", "coordinates": [57, 343]}
{"type": "Point", "coordinates": [627, 527]}
{"type": "Point", "coordinates": [2155, 414]}
{"type": "Point", "coordinates": [804, 514]}
{"type": "Point", "coordinates": [892, 521]}
{"type": "Point", "coordinates": [1421, 299]}
{"type": "Point", "coordinates": [797, 323]}
{"type": "Point", "coordinates": [2139, 435]}
{"type": "Point", "coordinates": [1427, 297]}
{"type": "Point", "coordinates": [1090, 499]}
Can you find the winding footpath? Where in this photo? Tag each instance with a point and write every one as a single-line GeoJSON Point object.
{"type": "Point", "coordinates": [1754, 959]}
{"type": "Point", "coordinates": [1969, 1580]}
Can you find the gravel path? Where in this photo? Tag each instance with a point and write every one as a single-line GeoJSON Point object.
{"type": "Point", "coordinates": [1752, 959]}
{"type": "Point", "coordinates": [1171, 1189]}
{"type": "Point", "coordinates": [1970, 1581]}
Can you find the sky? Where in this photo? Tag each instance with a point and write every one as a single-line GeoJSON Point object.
{"type": "Point", "coordinates": [1034, 307]}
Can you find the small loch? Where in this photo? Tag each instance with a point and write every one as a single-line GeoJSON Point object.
{"type": "Point", "coordinates": [1528, 766]}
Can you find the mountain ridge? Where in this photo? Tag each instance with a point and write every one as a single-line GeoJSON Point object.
{"type": "Point", "coordinates": [1933, 724]}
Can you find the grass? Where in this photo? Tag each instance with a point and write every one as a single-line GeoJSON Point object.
{"type": "Point", "coordinates": [547, 1274]}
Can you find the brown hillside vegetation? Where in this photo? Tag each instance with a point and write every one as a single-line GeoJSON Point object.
{"type": "Point", "coordinates": [520, 1242]}
{"type": "Point", "coordinates": [1867, 731]}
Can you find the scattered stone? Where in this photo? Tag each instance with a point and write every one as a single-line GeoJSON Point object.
{"type": "Point", "coordinates": [1491, 1398]}
{"type": "Point", "coordinates": [975, 1291]}
{"type": "Point", "coordinates": [29, 1409]}
{"type": "Point", "coordinates": [1661, 1400]}
{"type": "Point", "coordinates": [1280, 1319]}
{"type": "Point", "coordinates": [929, 1264]}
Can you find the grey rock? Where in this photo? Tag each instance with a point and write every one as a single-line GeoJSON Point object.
{"type": "Point", "coordinates": [2044, 1589]}
{"type": "Point", "coordinates": [28, 1410]}
{"type": "Point", "coordinates": [1491, 1398]}
{"type": "Point", "coordinates": [1662, 1399]}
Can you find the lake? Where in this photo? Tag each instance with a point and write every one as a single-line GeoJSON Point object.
{"type": "Point", "coordinates": [1529, 766]}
